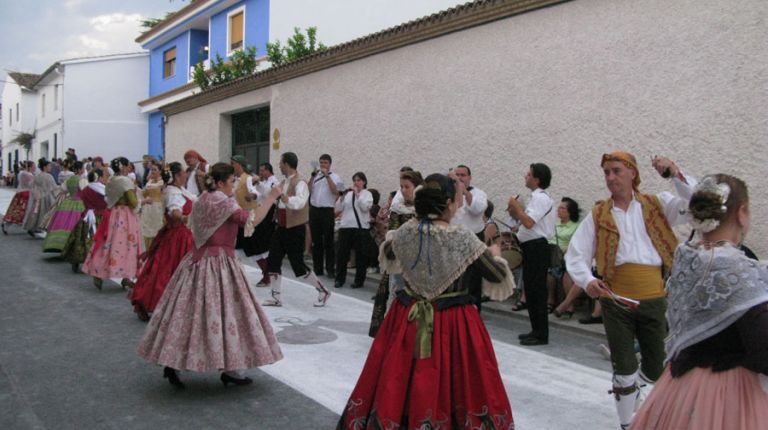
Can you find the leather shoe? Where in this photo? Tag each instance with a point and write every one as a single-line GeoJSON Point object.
{"type": "Point", "coordinates": [532, 341]}
{"type": "Point", "coordinates": [338, 284]}
{"type": "Point", "coordinates": [524, 336]}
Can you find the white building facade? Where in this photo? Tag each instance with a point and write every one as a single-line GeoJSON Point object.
{"type": "Point", "coordinates": [497, 89]}
{"type": "Point", "coordinates": [88, 104]}
{"type": "Point", "coordinates": [18, 101]}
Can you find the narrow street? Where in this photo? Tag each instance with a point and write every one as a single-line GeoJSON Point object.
{"type": "Point", "coordinates": [68, 360]}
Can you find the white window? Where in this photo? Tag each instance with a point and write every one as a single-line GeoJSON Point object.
{"type": "Point", "coordinates": [43, 105]}
{"type": "Point", "coordinates": [56, 97]}
{"type": "Point", "coordinates": [10, 116]}
{"type": "Point", "coordinates": [235, 30]}
{"type": "Point", "coordinates": [17, 112]}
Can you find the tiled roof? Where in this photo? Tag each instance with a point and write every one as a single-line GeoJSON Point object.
{"type": "Point", "coordinates": [439, 24]}
{"type": "Point", "coordinates": [26, 80]}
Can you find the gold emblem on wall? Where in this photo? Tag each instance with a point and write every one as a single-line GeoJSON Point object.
{"type": "Point", "coordinates": [276, 139]}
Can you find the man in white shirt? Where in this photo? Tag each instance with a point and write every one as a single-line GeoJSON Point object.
{"type": "Point", "coordinates": [196, 168]}
{"type": "Point", "coordinates": [537, 226]}
{"type": "Point", "coordinates": [469, 214]}
{"type": "Point", "coordinates": [288, 238]}
{"type": "Point", "coordinates": [324, 187]}
{"type": "Point", "coordinates": [630, 238]}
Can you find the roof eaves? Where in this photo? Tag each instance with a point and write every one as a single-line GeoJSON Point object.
{"type": "Point", "coordinates": [162, 25]}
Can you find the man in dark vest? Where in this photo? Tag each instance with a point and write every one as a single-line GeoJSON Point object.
{"type": "Point", "coordinates": [288, 238]}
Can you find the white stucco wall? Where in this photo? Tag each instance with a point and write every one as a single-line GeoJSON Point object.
{"type": "Point", "coordinates": [100, 111]}
{"type": "Point", "coordinates": [49, 125]}
{"type": "Point", "coordinates": [562, 85]}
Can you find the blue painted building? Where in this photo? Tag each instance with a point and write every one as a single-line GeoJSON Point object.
{"type": "Point", "coordinates": [201, 31]}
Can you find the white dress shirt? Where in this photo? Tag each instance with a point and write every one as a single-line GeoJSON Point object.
{"type": "Point", "coordinates": [542, 210]}
{"type": "Point", "coordinates": [263, 187]}
{"type": "Point", "coordinates": [363, 203]}
{"type": "Point", "coordinates": [635, 246]}
{"type": "Point", "coordinates": [322, 197]}
{"type": "Point", "coordinates": [191, 185]}
{"type": "Point", "coordinates": [301, 195]}
{"type": "Point", "coordinates": [471, 216]}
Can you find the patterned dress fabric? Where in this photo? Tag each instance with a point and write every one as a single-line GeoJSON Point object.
{"type": "Point", "coordinates": [65, 218]}
{"type": "Point", "coordinates": [41, 198]}
{"type": "Point", "coordinates": [117, 243]}
{"type": "Point", "coordinates": [152, 218]}
{"type": "Point", "coordinates": [18, 206]}
{"type": "Point", "coordinates": [455, 385]}
{"type": "Point", "coordinates": [208, 318]}
{"type": "Point", "coordinates": [170, 246]}
{"type": "Point", "coordinates": [80, 239]}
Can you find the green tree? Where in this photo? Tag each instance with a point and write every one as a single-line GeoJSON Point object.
{"type": "Point", "coordinates": [242, 63]}
{"type": "Point", "coordinates": [297, 46]}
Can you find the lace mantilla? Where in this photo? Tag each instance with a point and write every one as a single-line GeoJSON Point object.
{"type": "Point", "coordinates": [708, 290]}
{"type": "Point", "coordinates": [432, 256]}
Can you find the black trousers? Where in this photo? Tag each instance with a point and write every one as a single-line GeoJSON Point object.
{"type": "Point", "coordinates": [535, 264]}
{"type": "Point", "coordinates": [357, 239]}
{"type": "Point", "coordinates": [288, 241]}
{"type": "Point", "coordinates": [321, 221]}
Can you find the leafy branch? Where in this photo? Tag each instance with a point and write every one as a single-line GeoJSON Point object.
{"type": "Point", "coordinates": [242, 63]}
{"type": "Point", "coordinates": [299, 45]}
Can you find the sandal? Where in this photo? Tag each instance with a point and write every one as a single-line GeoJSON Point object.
{"type": "Point", "coordinates": [519, 306]}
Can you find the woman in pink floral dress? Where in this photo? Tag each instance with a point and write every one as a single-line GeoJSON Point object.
{"type": "Point", "coordinates": [118, 241]}
{"type": "Point", "coordinates": [208, 318]}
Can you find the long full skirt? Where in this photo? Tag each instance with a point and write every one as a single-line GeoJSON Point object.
{"type": "Point", "coordinates": [17, 209]}
{"type": "Point", "coordinates": [706, 400]}
{"type": "Point", "coordinates": [34, 217]}
{"type": "Point", "coordinates": [208, 319]}
{"type": "Point", "coordinates": [117, 246]}
{"type": "Point", "coordinates": [458, 387]}
{"type": "Point", "coordinates": [62, 223]}
{"type": "Point", "coordinates": [171, 244]}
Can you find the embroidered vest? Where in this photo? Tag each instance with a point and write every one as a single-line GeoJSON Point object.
{"type": "Point", "coordinates": [607, 234]}
{"type": "Point", "coordinates": [242, 191]}
{"type": "Point", "coordinates": [299, 216]}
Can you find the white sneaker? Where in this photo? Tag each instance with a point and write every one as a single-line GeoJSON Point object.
{"type": "Point", "coordinates": [322, 298]}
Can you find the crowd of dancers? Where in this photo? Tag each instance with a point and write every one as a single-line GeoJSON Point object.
{"type": "Point", "coordinates": [697, 310]}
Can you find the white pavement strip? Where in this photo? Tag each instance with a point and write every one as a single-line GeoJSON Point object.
{"type": "Point", "coordinates": [545, 392]}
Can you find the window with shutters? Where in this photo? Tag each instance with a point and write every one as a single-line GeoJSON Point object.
{"type": "Point", "coordinates": [169, 63]}
{"type": "Point", "coordinates": [236, 30]}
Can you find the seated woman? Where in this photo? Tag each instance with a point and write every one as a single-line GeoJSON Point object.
{"type": "Point", "coordinates": [413, 377]}
{"type": "Point", "coordinates": [717, 349]}
{"type": "Point", "coordinates": [208, 318]}
{"type": "Point", "coordinates": [568, 220]}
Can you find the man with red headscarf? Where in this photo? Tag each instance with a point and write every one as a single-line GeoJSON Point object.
{"type": "Point", "coordinates": [630, 237]}
{"type": "Point", "coordinates": [196, 167]}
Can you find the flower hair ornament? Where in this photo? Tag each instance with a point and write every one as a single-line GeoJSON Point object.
{"type": "Point", "coordinates": [209, 180]}
{"type": "Point", "coordinates": [710, 185]}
